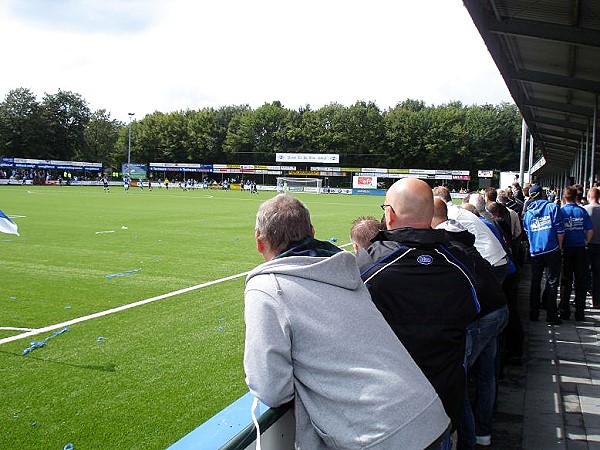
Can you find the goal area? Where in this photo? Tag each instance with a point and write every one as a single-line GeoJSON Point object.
{"type": "Point", "coordinates": [288, 184]}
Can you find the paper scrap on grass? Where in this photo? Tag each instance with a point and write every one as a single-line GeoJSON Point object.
{"type": "Point", "coordinates": [123, 274]}
{"type": "Point", "coordinates": [38, 344]}
{"type": "Point", "coordinates": [104, 232]}
{"type": "Point", "coordinates": [7, 225]}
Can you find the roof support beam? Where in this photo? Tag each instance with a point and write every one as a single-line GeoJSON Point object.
{"type": "Point", "coordinates": [559, 155]}
{"type": "Point", "coordinates": [561, 123]}
{"type": "Point", "coordinates": [557, 80]}
{"type": "Point", "coordinates": [558, 142]}
{"type": "Point", "coordinates": [557, 106]}
{"type": "Point", "coordinates": [546, 31]}
{"type": "Point", "coordinates": [562, 134]}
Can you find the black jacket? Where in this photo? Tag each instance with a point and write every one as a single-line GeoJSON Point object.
{"type": "Point", "coordinates": [429, 285]}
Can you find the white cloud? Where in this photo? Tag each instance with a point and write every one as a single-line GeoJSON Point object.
{"type": "Point", "coordinates": [166, 55]}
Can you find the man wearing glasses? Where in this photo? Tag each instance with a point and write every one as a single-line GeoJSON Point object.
{"type": "Point", "coordinates": [427, 287]}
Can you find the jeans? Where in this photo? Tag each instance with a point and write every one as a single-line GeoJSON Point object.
{"type": "Point", "coordinates": [444, 442]}
{"type": "Point", "coordinates": [594, 254]}
{"type": "Point", "coordinates": [513, 333]}
{"type": "Point", "coordinates": [574, 265]}
{"type": "Point", "coordinates": [481, 346]}
{"type": "Point", "coordinates": [550, 261]}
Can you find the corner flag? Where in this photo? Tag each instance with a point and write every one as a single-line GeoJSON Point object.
{"type": "Point", "coordinates": [7, 225]}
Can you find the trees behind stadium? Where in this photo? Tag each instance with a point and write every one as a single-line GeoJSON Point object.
{"type": "Point", "coordinates": [411, 134]}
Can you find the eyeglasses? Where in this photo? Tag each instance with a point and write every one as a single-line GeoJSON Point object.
{"type": "Point", "coordinates": [391, 207]}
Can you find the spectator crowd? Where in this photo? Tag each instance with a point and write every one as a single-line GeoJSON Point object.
{"type": "Point", "coordinates": [400, 345]}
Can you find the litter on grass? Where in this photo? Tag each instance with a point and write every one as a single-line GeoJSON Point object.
{"type": "Point", "coordinates": [68, 446]}
{"type": "Point", "coordinates": [127, 273]}
{"type": "Point", "coordinates": [104, 232]}
{"type": "Point", "coordinates": [123, 227]}
{"type": "Point", "coordinates": [101, 338]}
{"type": "Point", "coordinates": [332, 239]}
{"type": "Point", "coordinates": [38, 344]}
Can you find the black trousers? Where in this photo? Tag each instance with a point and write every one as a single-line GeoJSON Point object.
{"type": "Point", "coordinates": [594, 255]}
{"type": "Point", "coordinates": [574, 267]}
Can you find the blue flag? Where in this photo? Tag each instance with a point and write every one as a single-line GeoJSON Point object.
{"type": "Point", "coordinates": [7, 225]}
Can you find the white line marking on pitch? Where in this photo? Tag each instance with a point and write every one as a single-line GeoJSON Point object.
{"type": "Point", "coordinates": [16, 329]}
{"type": "Point", "coordinates": [34, 331]}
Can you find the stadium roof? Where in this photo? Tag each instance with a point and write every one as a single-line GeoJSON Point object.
{"type": "Point", "coordinates": [548, 52]}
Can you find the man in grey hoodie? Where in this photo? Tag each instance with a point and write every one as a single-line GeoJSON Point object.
{"type": "Point", "coordinates": [314, 336]}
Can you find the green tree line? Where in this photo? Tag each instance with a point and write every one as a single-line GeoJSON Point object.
{"type": "Point", "coordinates": [410, 135]}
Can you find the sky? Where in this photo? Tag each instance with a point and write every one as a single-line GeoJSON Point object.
{"type": "Point", "coordinates": [142, 56]}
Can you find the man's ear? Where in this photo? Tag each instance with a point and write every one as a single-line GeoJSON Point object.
{"type": "Point", "coordinates": [389, 218]}
{"type": "Point", "coordinates": [263, 247]}
{"type": "Point", "coordinates": [260, 245]}
{"type": "Point", "coordinates": [355, 247]}
{"type": "Point", "coordinates": [312, 231]}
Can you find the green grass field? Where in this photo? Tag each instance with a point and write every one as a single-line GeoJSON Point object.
{"type": "Point", "coordinates": [144, 377]}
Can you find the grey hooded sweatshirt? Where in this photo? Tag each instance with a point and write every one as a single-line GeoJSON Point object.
{"type": "Point", "coordinates": [314, 335]}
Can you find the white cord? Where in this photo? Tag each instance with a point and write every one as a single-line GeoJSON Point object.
{"type": "Point", "coordinates": [254, 406]}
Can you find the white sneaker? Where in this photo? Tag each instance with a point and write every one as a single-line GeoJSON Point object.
{"type": "Point", "coordinates": [484, 441]}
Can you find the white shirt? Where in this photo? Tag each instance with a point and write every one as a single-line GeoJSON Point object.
{"type": "Point", "coordinates": [486, 243]}
{"type": "Point", "coordinates": [515, 223]}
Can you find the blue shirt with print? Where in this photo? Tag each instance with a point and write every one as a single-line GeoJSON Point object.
{"type": "Point", "coordinates": [577, 223]}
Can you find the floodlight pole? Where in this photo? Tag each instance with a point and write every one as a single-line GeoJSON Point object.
{"type": "Point", "coordinates": [129, 147]}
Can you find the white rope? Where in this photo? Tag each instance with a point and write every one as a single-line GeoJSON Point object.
{"type": "Point", "coordinates": [254, 407]}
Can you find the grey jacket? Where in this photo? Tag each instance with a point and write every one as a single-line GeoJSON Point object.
{"type": "Point", "coordinates": [314, 335]}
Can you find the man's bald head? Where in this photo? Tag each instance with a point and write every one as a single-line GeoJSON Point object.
{"type": "Point", "coordinates": [410, 203]}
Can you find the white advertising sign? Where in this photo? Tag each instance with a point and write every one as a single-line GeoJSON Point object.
{"type": "Point", "coordinates": [364, 182]}
{"type": "Point", "coordinates": [329, 158]}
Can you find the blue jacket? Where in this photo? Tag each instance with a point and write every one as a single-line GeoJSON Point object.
{"type": "Point", "coordinates": [543, 222]}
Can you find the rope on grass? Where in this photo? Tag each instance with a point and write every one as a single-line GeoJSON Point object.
{"type": "Point", "coordinates": [38, 344]}
{"type": "Point", "coordinates": [126, 273]}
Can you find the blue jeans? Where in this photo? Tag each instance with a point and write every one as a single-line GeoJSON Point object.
{"type": "Point", "coordinates": [481, 346]}
{"type": "Point", "coordinates": [444, 442]}
{"type": "Point", "coordinates": [551, 261]}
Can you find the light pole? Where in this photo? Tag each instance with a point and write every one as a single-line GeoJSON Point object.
{"type": "Point", "coordinates": [129, 147]}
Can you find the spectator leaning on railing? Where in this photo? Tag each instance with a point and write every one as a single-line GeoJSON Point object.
{"type": "Point", "coordinates": [314, 336]}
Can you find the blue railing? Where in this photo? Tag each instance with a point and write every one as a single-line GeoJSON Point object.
{"type": "Point", "coordinates": [233, 429]}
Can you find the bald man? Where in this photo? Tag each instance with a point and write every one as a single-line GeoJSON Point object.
{"type": "Point", "coordinates": [421, 282]}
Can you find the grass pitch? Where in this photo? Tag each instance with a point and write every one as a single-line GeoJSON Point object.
{"type": "Point", "coordinates": [144, 377]}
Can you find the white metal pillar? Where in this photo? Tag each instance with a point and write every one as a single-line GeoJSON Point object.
{"type": "Point", "coordinates": [587, 155]}
{"type": "Point", "coordinates": [580, 174]}
{"type": "Point", "coordinates": [592, 163]}
{"type": "Point", "coordinates": [530, 156]}
{"type": "Point", "coordinates": [523, 149]}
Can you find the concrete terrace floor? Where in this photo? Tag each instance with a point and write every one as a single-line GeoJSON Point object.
{"type": "Point", "coordinates": [551, 401]}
